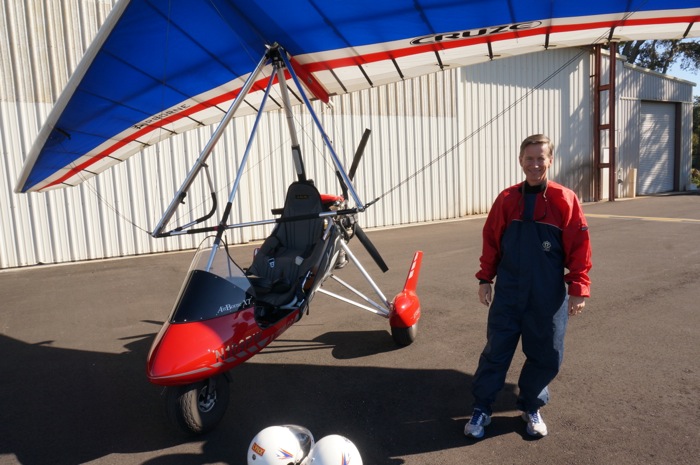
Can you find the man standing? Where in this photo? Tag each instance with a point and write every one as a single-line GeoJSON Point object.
{"type": "Point", "coordinates": [534, 233]}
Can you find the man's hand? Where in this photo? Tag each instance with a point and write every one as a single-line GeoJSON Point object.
{"type": "Point", "coordinates": [576, 305]}
{"type": "Point", "coordinates": [485, 294]}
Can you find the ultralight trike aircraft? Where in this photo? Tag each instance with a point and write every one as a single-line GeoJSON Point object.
{"type": "Point", "coordinates": [158, 68]}
{"type": "Point", "coordinates": [225, 313]}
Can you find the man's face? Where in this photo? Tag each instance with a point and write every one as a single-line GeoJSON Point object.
{"type": "Point", "coordinates": [535, 162]}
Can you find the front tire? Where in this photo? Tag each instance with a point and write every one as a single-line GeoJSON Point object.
{"type": "Point", "coordinates": [199, 407]}
{"type": "Point", "coordinates": [404, 336]}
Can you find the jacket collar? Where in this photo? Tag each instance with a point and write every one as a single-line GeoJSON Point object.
{"type": "Point", "coordinates": [525, 188]}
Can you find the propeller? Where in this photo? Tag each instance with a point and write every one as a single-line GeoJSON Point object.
{"type": "Point", "coordinates": [357, 229]}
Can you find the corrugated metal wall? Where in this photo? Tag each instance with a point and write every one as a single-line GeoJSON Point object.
{"type": "Point", "coordinates": [508, 100]}
{"type": "Point", "coordinates": [442, 146]}
{"type": "Point", "coordinates": [408, 161]}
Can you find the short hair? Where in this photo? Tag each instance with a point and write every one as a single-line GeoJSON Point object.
{"type": "Point", "coordinates": [537, 139]}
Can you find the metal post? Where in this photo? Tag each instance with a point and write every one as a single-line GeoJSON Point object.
{"type": "Point", "coordinates": [239, 175]}
{"type": "Point", "coordinates": [326, 140]}
{"type": "Point", "coordinates": [287, 105]}
{"type": "Point", "coordinates": [611, 120]}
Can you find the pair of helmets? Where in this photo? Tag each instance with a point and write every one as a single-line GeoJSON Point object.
{"type": "Point", "coordinates": [295, 445]}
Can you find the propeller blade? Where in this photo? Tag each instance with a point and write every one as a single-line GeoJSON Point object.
{"type": "Point", "coordinates": [371, 249]}
{"type": "Point", "coordinates": [358, 154]}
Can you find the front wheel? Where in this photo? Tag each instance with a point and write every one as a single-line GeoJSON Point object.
{"type": "Point", "coordinates": [404, 336]}
{"type": "Point", "coordinates": [197, 408]}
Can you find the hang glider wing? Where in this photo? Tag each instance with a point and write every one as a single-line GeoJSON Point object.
{"type": "Point", "coordinates": [160, 68]}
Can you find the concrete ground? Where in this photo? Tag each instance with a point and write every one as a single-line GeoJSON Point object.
{"type": "Point", "coordinates": [74, 339]}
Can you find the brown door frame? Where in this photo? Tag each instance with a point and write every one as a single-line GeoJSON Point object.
{"type": "Point", "coordinates": [599, 127]}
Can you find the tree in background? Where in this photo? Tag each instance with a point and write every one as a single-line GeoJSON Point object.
{"type": "Point", "coordinates": [659, 55]}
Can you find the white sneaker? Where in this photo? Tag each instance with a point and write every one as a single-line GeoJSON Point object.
{"type": "Point", "coordinates": [475, 426]}
{"type": "Point", "coordinates": [535, 424]}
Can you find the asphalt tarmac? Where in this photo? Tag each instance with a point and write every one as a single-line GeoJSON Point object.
{"type": "Point", "coordinates": [74, 340]}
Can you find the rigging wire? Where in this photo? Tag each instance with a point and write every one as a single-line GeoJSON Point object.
{"type": "Point", "coordinates": [109, 206]}
{"type": "Point", "coordinates": [483, 126]}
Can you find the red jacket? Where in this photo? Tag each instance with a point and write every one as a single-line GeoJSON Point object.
{"type": "Point", "coordinates": [561, 226]}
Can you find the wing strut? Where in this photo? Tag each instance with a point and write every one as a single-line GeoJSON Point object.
{"type": "Point", "coordinates": [206, 152]}
{"type": "Point", "coordinates": [296, 149]}
{"type": "Point", "coordinates": [277, 57]}
{"type": "Point", "coordinates": [336, 161]}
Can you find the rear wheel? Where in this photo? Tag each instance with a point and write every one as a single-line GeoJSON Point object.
{"type": "Point", "coordinates": [404, 336]}
{"type": "Point", "coordinates": [197, 408]}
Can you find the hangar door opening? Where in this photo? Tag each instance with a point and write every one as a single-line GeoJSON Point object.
{"type": "Point", "coordinates": [656, 148]}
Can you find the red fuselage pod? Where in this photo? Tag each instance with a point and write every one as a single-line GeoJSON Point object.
{"type": "Point", "coordinates": [405, 308]}
{"type": "Point", "coordinates": [186, 353]}
{"type": "Point", "coordinates": [212, 329]}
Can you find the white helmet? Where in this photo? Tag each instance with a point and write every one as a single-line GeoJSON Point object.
{"type": "Point", "coordinates": [334, 450]}
{"type": "Point", "coordinates": [280, 445]}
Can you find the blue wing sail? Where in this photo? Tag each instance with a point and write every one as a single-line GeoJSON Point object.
{"type": "Point", "coordinates": [160, 68]}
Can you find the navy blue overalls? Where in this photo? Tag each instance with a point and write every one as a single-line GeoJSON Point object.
{"type": "Point", "coordinates": [529, 302]}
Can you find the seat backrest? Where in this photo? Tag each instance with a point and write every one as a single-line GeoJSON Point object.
{"type": "Point", "coordinates": [302, 199]}
{"type": "Point", "coordinates": [289, 252]}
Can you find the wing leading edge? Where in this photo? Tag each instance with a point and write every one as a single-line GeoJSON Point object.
{"type": "Point", "coordinates": [157, 70]}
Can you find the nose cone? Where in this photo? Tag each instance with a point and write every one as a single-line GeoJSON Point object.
{"type": "Point", "coordinates": [183, 353]}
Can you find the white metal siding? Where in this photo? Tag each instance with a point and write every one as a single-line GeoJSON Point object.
{"type": "Point", "coordinates": [442, 146]}
{"type": "Point", "coordinates": [657, 148]}
{"type": "Point", "coordinates": [508, 100]}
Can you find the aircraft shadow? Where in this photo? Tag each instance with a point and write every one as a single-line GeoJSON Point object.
{"type": "Point", "coordinates": [67, 406]}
